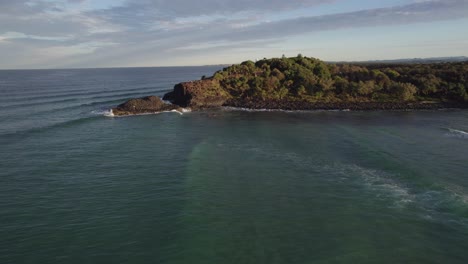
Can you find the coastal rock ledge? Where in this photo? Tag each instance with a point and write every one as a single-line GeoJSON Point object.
{"type": "Point", "coordinates": [145, 105]}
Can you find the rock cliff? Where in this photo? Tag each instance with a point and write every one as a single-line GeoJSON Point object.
{"type": "Point", "coordinates": [205, 93]}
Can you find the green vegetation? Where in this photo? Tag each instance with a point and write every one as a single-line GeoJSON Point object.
{"type": "Point", "coordinates": [303, 78]}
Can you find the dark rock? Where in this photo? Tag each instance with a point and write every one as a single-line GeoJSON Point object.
{"type": "Point", "coordinates": [149, 104]}
{"type": "Point", "coordinates": [200, 94]}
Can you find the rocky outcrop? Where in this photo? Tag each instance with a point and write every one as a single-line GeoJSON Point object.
{"type": "Point", "coordinates": [196, 95]}
{"type": "Point", "coordinates": [200, 94]}
{"type": "Point", "coordinates": [149, 104]}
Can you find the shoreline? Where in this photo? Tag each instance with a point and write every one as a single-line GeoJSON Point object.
{"type": "Point", "coordinates": [343, 106]}
{"type": "Point", "coordinates": [243, 109]}
{"type": "Point", "coordinates": [319, 107]}
{"type": "Point", "coordinates": [301, 83]}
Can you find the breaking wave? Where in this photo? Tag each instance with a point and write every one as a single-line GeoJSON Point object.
{"type": "Point", "coordinates": [457, 133]}
{"type": "Point", "coordinates": [106, 113]}
{"type": "Point", "coordinates": [109, 112]}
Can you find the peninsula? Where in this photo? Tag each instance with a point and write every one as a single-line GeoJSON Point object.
{"type": "Point", "coordinates": [302, 83]}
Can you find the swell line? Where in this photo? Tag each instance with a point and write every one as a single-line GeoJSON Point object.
{"type": "Point", "coordinates": [11, 136]}
{"type": "Point", "coordinates": [61, 93]}
{"type": "Point", "coordinates": [26, 103]}
{"type": "Point", "coordinates": [26, 110]}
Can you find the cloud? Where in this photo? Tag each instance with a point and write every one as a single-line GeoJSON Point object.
{"type": "Point", "coordinates": [17, 35]}
{"type": "Point", "coordinates": [420, 12]}
{"type": "Point", "coordinates": [144, 29]}
{"type": "Point", "coordinates": [184, 8]}
{"type": "Point", "coordinates": [250, 29]}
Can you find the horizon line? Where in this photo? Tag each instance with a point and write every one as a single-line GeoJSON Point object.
{"type": "Point", "coordinates": [463, 57]}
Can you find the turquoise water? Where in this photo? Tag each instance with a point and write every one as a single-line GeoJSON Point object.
{"type": "Point", "coordinates": [221, 186]}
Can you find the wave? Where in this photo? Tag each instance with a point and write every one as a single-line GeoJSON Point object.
{"type": "Point", "coordinates": [433, 201]}
{"type": "Point", "coordinates": [430, 200]}
{"type": "Point", "coordinates": [181, 112]}
{"type": "Point", "coordinates": [47, 102]}
{"type": "Point", "coordinates": [106, 113]}
{"type": "Point", "coordinates": [30, 95]}
{"type": "Point", "coordinates": [49, 94]}
{"type": "Point", "coordinates": [384, 184]}
{"type": "Point", "coordinates": [174, 111]}
{"type": "Point", "coordinates": [86, 106]}
{"type": "Point", "coordinates": [15, 89]}
{"type": "Point", "coordinates": [457, 133]}
{"type": "Point", "coordinates": [109, 113]}
{"type": "Point", "coordinates": [438, 203]}
{"type": "Point", "coordinates": [103, 103]}
{"type": "Point", "coordinates": [20, 134]}
{"type": "Point", "coordinates": [19, 105]}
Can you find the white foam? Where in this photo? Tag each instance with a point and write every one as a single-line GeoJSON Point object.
{"type": "Point", "coordinates": [109, 113]}
{"type": "Point", "coordinates": [180, 112]}
{"type": "Point", "coordinates": [174, 111]}
{"type": "Point", "coordinates": [106, 113]}
{"type": "Point", "coordinates": [243, 109]}
{"type": "Point", "coordinates": [457, 133]}
{"type": "Point", "coordinates": [382, 183]}
{"type": "Point", "coordinates": [461, 132]}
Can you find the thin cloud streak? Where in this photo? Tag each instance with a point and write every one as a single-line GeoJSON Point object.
{"type": "Point", "coordinates": [428, 11]}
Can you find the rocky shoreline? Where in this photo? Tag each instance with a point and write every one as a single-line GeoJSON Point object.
{"type": "Point", "coordinates": [353, 106]}
{"type": "Point", "coordinates": [301, 83]}
{"type": "Point", "coordinates": [207, 93]}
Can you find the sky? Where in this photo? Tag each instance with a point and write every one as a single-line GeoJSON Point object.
{"type": "Point", "coordinates": [143, 33]}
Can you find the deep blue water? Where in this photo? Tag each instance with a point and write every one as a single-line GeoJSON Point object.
{"type": "Point", "coordinates": [221, 186]}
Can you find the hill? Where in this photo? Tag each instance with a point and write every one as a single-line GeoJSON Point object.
{"type": "Point", "coordinates": [300, 82]}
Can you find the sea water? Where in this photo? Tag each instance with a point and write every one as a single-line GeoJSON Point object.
{"type": "Point", "coordinates": [222, 186]}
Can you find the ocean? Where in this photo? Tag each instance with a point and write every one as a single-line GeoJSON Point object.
{"type": "Point", "coordinates": [221, 186]}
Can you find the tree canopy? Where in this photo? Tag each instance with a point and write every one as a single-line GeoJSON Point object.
{"type": "Point", "coordinates": [303, 78]}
